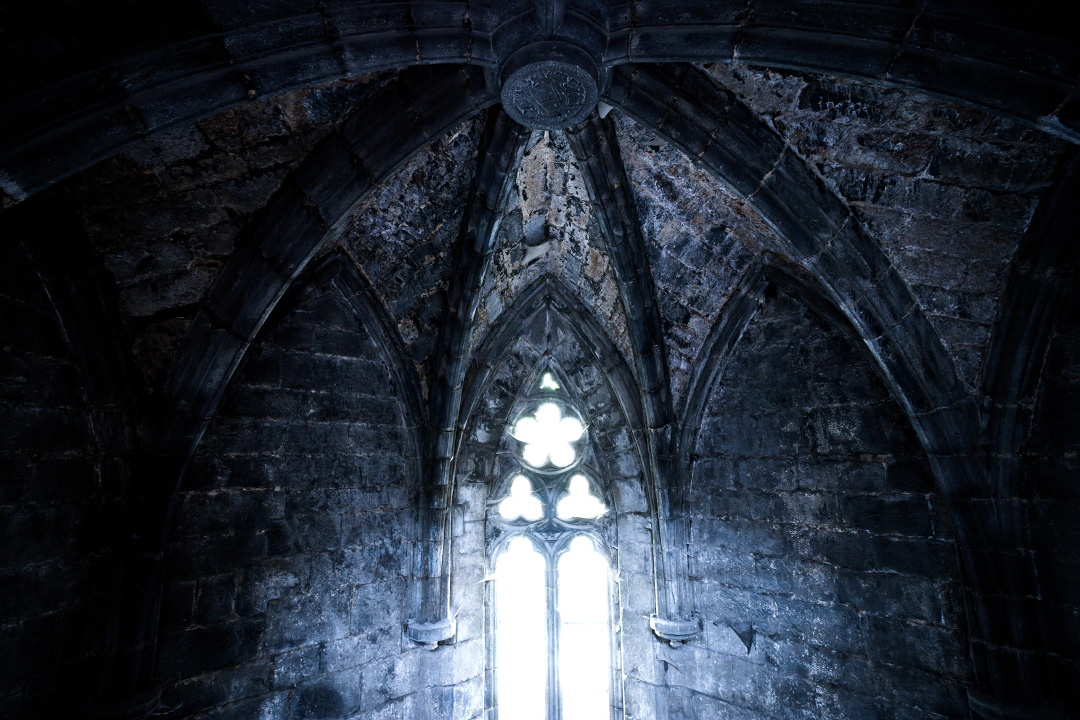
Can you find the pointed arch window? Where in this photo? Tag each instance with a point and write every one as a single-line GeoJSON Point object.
{"type": "Point", "coordinates": [552, 597]}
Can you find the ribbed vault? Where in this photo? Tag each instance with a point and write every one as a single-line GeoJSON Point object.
{"type": "Point", "coordinates": [87, 102]}
{"type": "Point", "coordinates": [655, 227]}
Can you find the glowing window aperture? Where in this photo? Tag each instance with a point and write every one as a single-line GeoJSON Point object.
{"type": "Point", "coordinates": [521, 631]}
{"type": "Point", "coordinates": [552, 627]}
{"type": "Point", "coordinates": [549, 437]}
{"type": "Point", "coordinates": [579, 502]}
{"type": "Point", "coordinates": [584, 635]}
{"type": "Point", "coordinates": [521, 503]}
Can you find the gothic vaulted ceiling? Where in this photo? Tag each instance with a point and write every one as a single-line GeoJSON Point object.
{"type": "Point", "coordinates": [203, 155]}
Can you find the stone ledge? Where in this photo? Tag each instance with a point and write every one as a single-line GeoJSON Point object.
{"type": "Point", "coordinates": [430, 634]}
{"type": "Point", "coordinates": [675, 630]}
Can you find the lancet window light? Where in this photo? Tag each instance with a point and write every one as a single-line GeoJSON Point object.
{"type": "Point", "coordinates": [552, 595]}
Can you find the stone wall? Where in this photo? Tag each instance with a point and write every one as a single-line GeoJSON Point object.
{"type": "Point", "coordinates": [549, 228]}
{"type": "Point", "coordinates": [403, 236]}
{"type": "Point", "coordinates": [948, 190]}
{"type": "Point", "coordinates": [700, 238]}
{"type": "Point", "coordinates": [822, 559]}
{"type": "Point", "coordinates": [166, 214]}
{"type": "Point", "coordinates": [52, 539]}
{"type": "Point", "coordinates": [287, 572]}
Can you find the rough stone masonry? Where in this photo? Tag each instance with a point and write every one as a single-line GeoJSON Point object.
{"type": "Point", "coordinates": [274, 278]}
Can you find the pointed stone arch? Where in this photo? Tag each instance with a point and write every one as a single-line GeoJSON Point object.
{"type": "Point", "coordinates": [790, 404]}
{"type": "Point", "coordinates": [820, 233]}
{"type": "Point", "coordinates": [323, 415]}
{"type": "Point", "coordinates": [746, 300]}
{"type": "Point", "coordinates": [549, 293]}
{"type": "Point", "coordinates": [500, 155]}
{"type": "Point", "coordinates": [303, 218]}
{"type": "Point", "coordinates": [597, 149]}
{"type": "Point", "coordinates": [95, 113]}
{"type": "Point", "coordinates": [83, 296]}
{"type": "Point", "coordinates": [1043, 273]}
{"type": "Point", "coordinates": [544, 299]}
{"type": "Point", "coordinates": [336, 270]}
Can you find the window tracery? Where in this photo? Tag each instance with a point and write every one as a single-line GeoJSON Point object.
{"type": "Point", "coordinates": [549, 531]}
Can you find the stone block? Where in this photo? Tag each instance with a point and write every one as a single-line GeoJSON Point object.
{"type": "Point", "coordinates": [889, 595]}
{"type": "Point", "coordinates": [921, 647]}
{"type": "Point", "coordinates": [213, 689]}
{"type": "Point", "coordinates": [270, 580]}
{"type": "Point", "coordinates": [296, 666]}
{"type": "Point", "coordinates": [930, 559]}
{"type": "Point", "coordinates": [377, 606]}
{"type": "Point", "coordinates": [203, 649]}
{"type": "Point", "coordinates": [300, 620]}
{"type": "Point", "coordinates": [216, 598]}
{"type": "Point", "coordinates": [390, 679]}
{"type": "Point", "coordinates": [903, 515]}
{"type": "Point", "coordinates": [177, 605]}
{"type": "Point", "coordinates": [208, 554]}
{"type": "Point", "coordinates": [328, 698]}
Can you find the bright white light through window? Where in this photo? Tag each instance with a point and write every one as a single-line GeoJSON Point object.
{"type": "Point", "coordinates": [584, 635]}
{"type": "Point", "coordinates": [521, 632]}
{"type": "Point", "coordinates": [548, 437]}
{"type": "Point", "coordinates": [579, 502]}
{"type": "Point", "coordinates": [551, 591]}
{"type": "Point", "coordinates": [521, 503]}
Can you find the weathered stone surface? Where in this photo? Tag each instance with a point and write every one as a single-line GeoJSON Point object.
{"type": "Point", "coordinates": [54, 511]}
{"type": "Point", "coordinates": [947, 190]}
{"type": "Point", "coordinates": [700, 240]}
{"type": "Point", "coordinates": [286, 582]}
{"type": "Point", "coordinates": [403, 238]}
{"type": "Point", "coordinates": [826, 576]}
{"type": "Point", "coordinates": [165, 215]}
{"type": "Point", "coordinates": [549, 229]}
{"type": "Point", "coordinates": [611, 456]}
{"type": "Point", "coordinates": [823, 555]}
{"type": "Point", "coordinates": [1051, 493]}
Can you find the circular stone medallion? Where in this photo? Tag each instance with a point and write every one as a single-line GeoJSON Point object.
{"type": "Point", "coordinates": [549, 95]}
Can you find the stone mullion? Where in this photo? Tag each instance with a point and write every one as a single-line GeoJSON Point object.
{"type": "Point", "coordinates": [596, 148]}
{"type": "Point", "coordinates": [500, 155]}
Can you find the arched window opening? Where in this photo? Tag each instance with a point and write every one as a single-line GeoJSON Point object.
{"type": "Point", "coordinates": [522, 647]}
{"type": "Point", "coordinates": [552, 595]}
